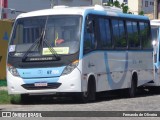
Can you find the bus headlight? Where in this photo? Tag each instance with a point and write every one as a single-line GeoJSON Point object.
{"type": "Point", "coordinates": [12, 70]}
{"type": "Point", "coordinates": [68, 69]}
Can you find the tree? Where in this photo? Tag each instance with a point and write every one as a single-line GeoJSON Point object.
{"type": "Point", "coordinates": [141, 13]}
{"type": "Point", "coordinates": [124, 7]}
{"type": "Point", "coordinates": [116, 3]}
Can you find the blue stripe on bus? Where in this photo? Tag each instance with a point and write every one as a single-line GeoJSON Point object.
{"type": "Point", "coordinates": [48, 75]}
{"type": "Point", "coordinates": [40, 80]}
{"type": "Point", "coordinates": [40, 72]}
{"type": "Point", "coordinates": [111, 82]}
{"type": "Point", "coordinates": [116, 14]}
{"type": "Point", "coordinates": [96, 51]}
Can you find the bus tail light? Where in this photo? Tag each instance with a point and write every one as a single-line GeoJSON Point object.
{"type": "Point", "coordinates": [68, 69]}
{"type": "Point", "coordinates": [12, 70]}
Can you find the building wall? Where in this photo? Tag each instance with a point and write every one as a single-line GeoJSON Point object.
{"type": "Point", "coordinates": [105, 1]}
{"type": "Point", "coordinates": [147, 6]}
{"type": "Point", "coordinates": [26, 6]}
{"type": "Point", "coordinates": [30, 5]}
{"type": "Point", "coordinates": [73, 2]}
{"type": "Point", "coordinates": [133, 6]}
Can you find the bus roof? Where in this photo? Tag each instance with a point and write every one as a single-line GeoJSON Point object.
{"type": "Point", "coordinates": [97, 9]}
{"type": "Point", "coordinates": [155, 22]}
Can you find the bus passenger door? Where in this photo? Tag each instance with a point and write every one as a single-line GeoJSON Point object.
{"type": "Point", "coordinates": [89, 49]}
{"type": "Point", "coordinates": [156, 54]}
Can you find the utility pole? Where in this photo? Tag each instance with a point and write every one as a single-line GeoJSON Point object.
{"type": "Point", "coordinates": [52, 3]}
{"type": "Point", "coordinates": [155, 9]}
{"type": "Point", "coordinates": [1, 7]}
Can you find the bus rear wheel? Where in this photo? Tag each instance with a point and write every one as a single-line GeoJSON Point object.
{"type": "Point", "coordinates": [133, 88]}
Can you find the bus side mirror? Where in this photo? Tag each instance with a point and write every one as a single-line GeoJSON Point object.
{"type": "Point", "coordinates": [154, 44]}
{"type": "Point", "coordinates": [90, 26]}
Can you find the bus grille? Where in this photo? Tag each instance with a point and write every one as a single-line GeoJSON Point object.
{"type": "Point", "coordinates": [33, 87]}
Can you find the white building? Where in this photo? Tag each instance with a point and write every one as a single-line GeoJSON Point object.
{"type": "Point", "coordinates": [147, 6]}
{"type": "Point", "coordinates": [105, 1]}
{"type": "Point", "coordinates": [135, 6]}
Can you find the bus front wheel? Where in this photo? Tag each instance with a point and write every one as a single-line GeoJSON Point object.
{"type": "Point", "coordinates": [90, 94]}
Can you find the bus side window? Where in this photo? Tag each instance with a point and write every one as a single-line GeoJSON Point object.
{"type": "Point", "coordinates": [145, 35]}
{"type": "Point", "coordinates": [89, 36]}
{"type": "Point", "coordinates": [119, 33]}
{"type": "Point", "coordinates": [132, 32]}
{"type": "Point", "coordinates": [105, 34]}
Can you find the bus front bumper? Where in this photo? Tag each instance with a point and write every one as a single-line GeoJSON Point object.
{"type": "Point", "coordinates": [66, 83]}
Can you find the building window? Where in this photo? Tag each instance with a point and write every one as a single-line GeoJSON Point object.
{"type": "Point", "coordinates": [146, 3]}
{"type": "Point", "coordinates": [126, 1]}
{"type": "Point", "coordinates": [151, 3]}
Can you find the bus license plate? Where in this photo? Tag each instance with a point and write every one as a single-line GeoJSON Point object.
{"type": "Point", "coordinates": [40, 84]}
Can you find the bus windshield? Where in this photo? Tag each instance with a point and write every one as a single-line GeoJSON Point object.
{"type": "Point", "coordinates": [62, 33]}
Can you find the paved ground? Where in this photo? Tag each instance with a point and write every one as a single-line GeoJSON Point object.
{"type": "Point", "coordinates": [145, 101]}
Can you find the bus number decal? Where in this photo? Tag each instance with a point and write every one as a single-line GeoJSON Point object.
{"type": "Point", "coordinates": [53, 72]}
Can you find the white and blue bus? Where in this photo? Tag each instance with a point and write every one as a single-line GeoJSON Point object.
{"type": "Point", "coordinates": [155, 29]}
{"type": "Point", "coordinates": [79, 51]}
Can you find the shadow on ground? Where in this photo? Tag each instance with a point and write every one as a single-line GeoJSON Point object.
{"type": "Point", "coordinates": [104, 96]}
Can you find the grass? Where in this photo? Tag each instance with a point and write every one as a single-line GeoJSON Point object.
{"type": "Point", "coordinates": [8, 99]}
{"type": "Point", "coordinates": [5, 98]}
{"type": "Point", "coordinates": [3, 83]}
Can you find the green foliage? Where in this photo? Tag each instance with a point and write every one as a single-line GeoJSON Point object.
{"type": "Point", "coordinates": [3, 83]}
{"type": "Point", "coordinates": [4, 97]}
{"type": "Point", "coordinates": [7, 99]}
{"type": "Point", "coordinates": [116, 4]}
{"type": "Point", "coordinates": [141, 13]}
{"type": "Point", "coordinates": [124, 7]}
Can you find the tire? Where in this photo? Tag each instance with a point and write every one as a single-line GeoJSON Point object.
{"type": "Point", "coordinates": [133, 89]}
{"type": "Point", "coordinates": [89, 95]}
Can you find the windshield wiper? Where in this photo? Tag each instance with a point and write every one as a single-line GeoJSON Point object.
{"type": "Point", "coordinates": [39, 43]}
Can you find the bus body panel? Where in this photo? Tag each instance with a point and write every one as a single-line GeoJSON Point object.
{"type": "Point", "coordinates": [40, 72]}
{"type": "Point", "coordinates": [70, 83]}
{"type": "Point", "coordinates": [113, 70]}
